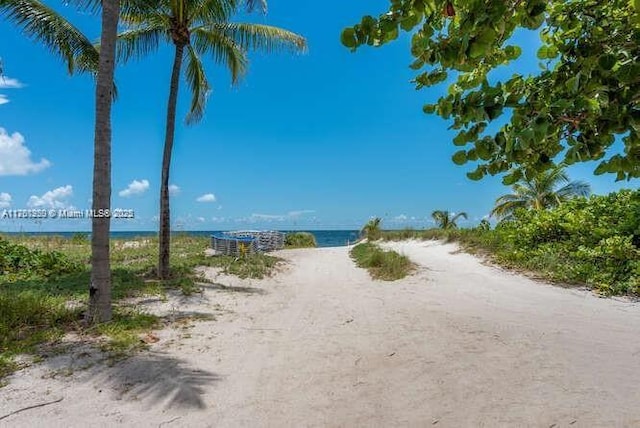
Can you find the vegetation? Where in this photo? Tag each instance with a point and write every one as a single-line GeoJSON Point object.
{"type": "Point", "coordinates": [547, 189]}
{"type": "Point", "coordinates": [46, 26]}
{"type": "Point", "coordinates": [52, 30]}
{"type": "Point", "coordinates": [255, 266]}
{"type": "Point", "coordinates": [595, 242]}
{"type": "Point", "coordinates": [100, 309]}
{"type": "Point", "coordinates": [195, 30]}
{"type": "Point", "coordinates": [300, 240]}
{"type": "Point", "coordinates": [372, 230]}
{"type": "Point", "coordinates": [575, 108]}
{"type": "Point", "coordinates": [381, 264]}
{"type": "Point", "coordinates": [447, 220]}
{"type": "Point", "coordinates": [43, 282]}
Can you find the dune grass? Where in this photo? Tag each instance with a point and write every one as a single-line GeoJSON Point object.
{"type": "Point", "coordinates": [592, 242]}
{"type": "Point", "coordinates": [381, 264]}
{"type": "Point", "coordinates": [44, 288]}
{"type": "Point", "coordinates": [300, 240]}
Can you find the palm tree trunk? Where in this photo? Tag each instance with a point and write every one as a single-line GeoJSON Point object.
{"type": "Point", "coordinates": [165, 215]}
{"type": "Point", "coordinates": [100, 288]}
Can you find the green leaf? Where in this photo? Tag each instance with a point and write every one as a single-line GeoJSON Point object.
{"type": "Point", "coordinates": [429, 108]}
{"type": "Point", "coordinates": [543, 52]}
{"type": "Point", "coordinates": [348, 38]}
{"type": "Point", "coordinates": [476, 175]}
{"type": "Point", "coordinates": [460, 157]}
{"type": "Point", "coordinates": [607, 61]}
{"type": "Point", "coordinates": [513, 52]}
{"type": "Point", "coordinates": [573, 83]}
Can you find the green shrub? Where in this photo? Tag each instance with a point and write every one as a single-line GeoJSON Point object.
{"type": "Point", "coordinates": [372, 230]}
{"type": "Point", "coordinates": [594, 241]}
{"type": "Point", "coordinates": [300, 240]}
{"type": "Point", "coordinates": [80, 238]}
{"type": "Point", "coordinates": [385, 265]}
{"type": "Point", "coordinates": [19, 262]}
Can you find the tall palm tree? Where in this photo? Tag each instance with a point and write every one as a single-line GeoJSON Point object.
{"type": "Point", "coordinates": [43, 24]}
{"type": "Point", "coordinates": [100, 288]}
{"type": "Point", "coordinates": [545, 190]}
{"type": "Point", "coordinates": [447, 220]}
{"type": "Point", "coordinates": [196, 28]}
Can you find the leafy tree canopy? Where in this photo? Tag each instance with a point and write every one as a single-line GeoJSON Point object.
{"type": "Point", "coordinates": [584, 98]}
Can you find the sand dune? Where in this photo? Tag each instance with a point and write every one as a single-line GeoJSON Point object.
{"type": "Point", "coordinates": [457, 344]}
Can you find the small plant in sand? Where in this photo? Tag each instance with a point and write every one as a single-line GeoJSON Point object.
{"type": "Point", "coordinates": [381, 264]}
{"type": "Point", "coordinates": [300, 240]}
{"type": "Point", "coordinates": [372, 230]}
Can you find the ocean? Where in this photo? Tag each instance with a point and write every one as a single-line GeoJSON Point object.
{"type": "Point", "coordinates": [324, 238]}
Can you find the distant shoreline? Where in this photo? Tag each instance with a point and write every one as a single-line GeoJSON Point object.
{"type": "Point", "coordinates": [324, 238]}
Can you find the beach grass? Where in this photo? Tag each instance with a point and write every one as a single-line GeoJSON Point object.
{"type": "Point", "coordinates": [300, 240]}
{"type": "Point", "coordinates": [382, 264]}
{"type": "Point", "coordinates": [44, 284]}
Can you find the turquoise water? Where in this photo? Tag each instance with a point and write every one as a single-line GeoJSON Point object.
{"type": "Point", "coordinates": [324, 238]}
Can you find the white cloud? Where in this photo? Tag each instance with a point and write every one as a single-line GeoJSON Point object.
{"type": "Point", "coordinates": [15, 157]}
{"type": "Point", "coordinates": [135, 188]}
{"type": "Point", "coordinates": [400, 218]}
{"type": "Point", "coordinates": [5, 200]}
{"type": "Point", "coordinates": [9, 83]}
{"type": "Point", "coordinates": [291, 215]}
{"type": "Point", "coordinates": [209, 197]}
{"type": "Point", "coordinates": [296, 214]}
{"type": "Point", "coordinates": [174, 190]}
{"type": "Point", "coordinates": [268, 217]}
{"type": "Point", "coordinates": [201, 219]}
{"type": "Point", "coordinates": [55, 198]}
{"type": "Point", "coordinates": [218, 219]}
{"type": "Point", "coordinates": [3, 99]}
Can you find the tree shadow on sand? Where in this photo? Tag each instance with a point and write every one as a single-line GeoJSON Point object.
{"type": "Point", "coordinates": [155, 378]}
{"type": "Point", "coordinates": [232, 289]}
{"type": "Point", "coordinates": [152, 378]}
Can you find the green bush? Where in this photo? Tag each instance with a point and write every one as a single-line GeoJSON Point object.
{"type": "Point", "coordinates": [19, 262]}
{"type": "Point", "coordinates": [594, 241]}
{"type": "Point", "coordinates": [385, 265]}
{"type": "Point", "coordinates": [300, 240]}
{"type": "Point", "coordinates": [372, 230]}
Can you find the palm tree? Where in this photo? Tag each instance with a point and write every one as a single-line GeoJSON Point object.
{"type": "Point", "coordinates": [62, 38]}
{"type": "Point", "coordinates": [100, 288]}
{"type": "Point", "coordinates": [447, 220]}
{"type": "Point", "coordinates": [544, 190]}
{"type": "Point", "coordinates": [196, 28]}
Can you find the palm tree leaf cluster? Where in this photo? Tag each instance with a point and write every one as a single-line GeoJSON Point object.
{"type": "Point", "coordinates": [446, 220]}
{"type": "Point", "coordinates": [548, 189]}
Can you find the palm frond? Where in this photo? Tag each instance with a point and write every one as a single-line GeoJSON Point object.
{"type": "Point", "coordinates": [223, 49]}
{"type": "Point", "coordinates": [45, 25]}
{"type": "Point", "coordinates": [256, 4]}
{"type": "Point", "coordinates": [200, 89]}
{"type": "Point", "coordinates": [138, 42]}
{"type": "Point", "coordinates": [574, 189]}
{"type": "Point", "coordinates": [158, 18]}
{"type": "Point", "coordinates": [208, 11]}
{"type": "Point", "coordinates": [459, 215]}
{"type": "Point", "coordinates": [507, 205]}
{"type": "Point", "coordinates": [259, 37]}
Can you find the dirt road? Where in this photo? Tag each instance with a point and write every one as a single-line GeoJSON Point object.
{"type": "Point", "coordinates": [457, 344]}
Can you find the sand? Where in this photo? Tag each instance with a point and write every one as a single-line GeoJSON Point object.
{"type": "Point", "coordinates": [457, 344]}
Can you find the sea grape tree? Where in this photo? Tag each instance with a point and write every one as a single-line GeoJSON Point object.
{"type": "Point", "coordinates": [584, 99]}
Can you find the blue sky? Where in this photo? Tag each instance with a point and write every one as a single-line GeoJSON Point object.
{"type": "Point", "coordinates": [323, 140]}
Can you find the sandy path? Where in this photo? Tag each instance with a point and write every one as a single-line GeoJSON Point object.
{"type": "Point", "coordinates": [457, 344]}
